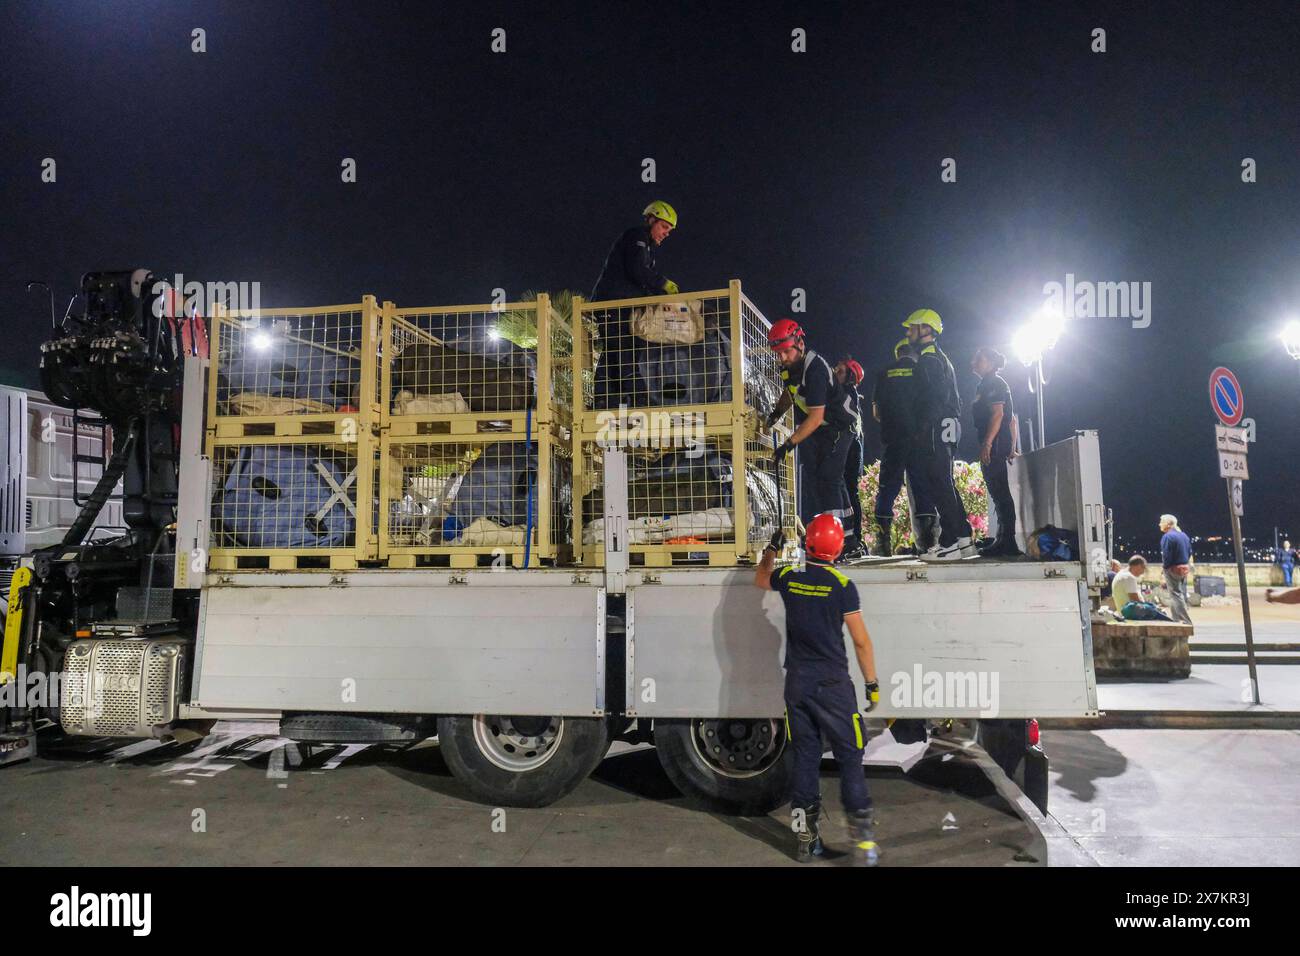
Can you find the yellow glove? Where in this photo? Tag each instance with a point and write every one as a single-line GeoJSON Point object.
{"type": "Point", "coordinates": [670, 287]}
{"type": "Point", "coordinates": [873, 697]}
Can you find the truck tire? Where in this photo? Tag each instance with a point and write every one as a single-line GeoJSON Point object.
{"type": "Point", "coordinates": [731, 766]}
{"type": "Point", "coordinates": [522, 761]}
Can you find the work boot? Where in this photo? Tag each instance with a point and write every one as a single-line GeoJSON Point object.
{"type": "Point", "coordinates": [810, 844]}
{"type": "Point", "coordinates": [1003, 547]}
{"type": "Point", "coordinates": [928, 529]}
{"type": "Point", "coordinates": [883, 548]}
{"type": "Point", "coordinates": [862, 832]}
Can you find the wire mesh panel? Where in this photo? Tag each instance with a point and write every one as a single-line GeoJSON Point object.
{"type": "Point", "coordinates": [760, 369]}
{"type": "Point", "coordinates": [661, 351]}
{"type": "Point", "coordinates": [682, 502]}
{"type": "Point", "coordinates": [679, 382]}
{"type": "Point", "coordinates": [283, 502]}
{"type": "Point", "coordinates": [478, 368]}
{"type": "Point", "coordinates": [295, 371]}
{"type": "Point", "coordinates": [469, 503]}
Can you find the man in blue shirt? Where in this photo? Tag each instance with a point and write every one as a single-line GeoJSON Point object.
{"type": "Point", "coordinates": [1176, 550]}
{"type": "Point", "coordinates": [820, 699]}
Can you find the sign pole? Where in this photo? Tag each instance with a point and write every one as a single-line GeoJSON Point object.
{"type": "Point", "coordinates": [1228, 403]}
{"type": "Point", "coordinates": [1245, 598]}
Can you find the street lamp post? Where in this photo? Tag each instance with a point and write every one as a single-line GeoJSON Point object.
{"type": "Point", "coordinates": [1031, 343]}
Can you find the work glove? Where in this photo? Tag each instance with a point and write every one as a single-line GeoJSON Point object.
{"type": "Point", "coordinates": [670, 287]}
{"type": "Point", "coordinates": [781, 452]}
{"type": "Point", "coordinates": [771, 420]}
{"type": "Point", "coordinates": [777, 543]}
{"type": "Point", "coordinates": [873, 697]}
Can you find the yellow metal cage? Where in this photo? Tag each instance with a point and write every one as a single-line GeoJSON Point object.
{"type": "Point", "coordinates": [682, 383]}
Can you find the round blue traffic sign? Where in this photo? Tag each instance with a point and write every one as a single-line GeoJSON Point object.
{"type": "Point", "coordinates": [1225, 396]}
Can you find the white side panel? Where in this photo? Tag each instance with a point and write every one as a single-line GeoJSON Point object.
{"type": "Point", "coordinates": [195, 490]}
{"type": "Point", "coordinates": [943, 649]}
{"type": "Point", "coordinates": [389, 642]}
{"type": "Point", "coordinates": [1060, 485]}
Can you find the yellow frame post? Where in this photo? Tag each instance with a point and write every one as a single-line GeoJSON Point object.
{"type": "Point", "coordinates": [739, 499]}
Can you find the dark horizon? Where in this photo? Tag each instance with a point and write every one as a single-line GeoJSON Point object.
{"type": "Point", "coordinates": [817, 170]}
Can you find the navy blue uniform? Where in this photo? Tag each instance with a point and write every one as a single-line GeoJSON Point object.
{"type": "Point", "coordinates": [940, 407]}
{"type": "Point", "coordinates": [820, 699]}
{"type": "Point", "coordinates": [822, 454]}
{"type": "Point", "coordinates": [631, 271]}
{"type": "Point", "coordinates": [896, 395]}
{"type": "Point", "coordinates": [993, 390]}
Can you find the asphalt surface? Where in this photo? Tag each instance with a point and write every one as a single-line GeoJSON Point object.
{"type": "Point", "coordinates": [1171, 798]}
{"type": "Point", "coordinates": [245, 799]}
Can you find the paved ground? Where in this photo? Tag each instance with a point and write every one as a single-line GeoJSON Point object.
{"type": "Point", "coordinates": [1178, 797]}
{"type": "Point", "coordinates": [104, 802]}
{"type": "Point", "coordinates": [1222, 687]}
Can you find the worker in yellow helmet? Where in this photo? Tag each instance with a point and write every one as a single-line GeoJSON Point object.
{"type": "Point", "coordinates": [939, 419]}
{"type": "Point", "coordinates": [631, 271]}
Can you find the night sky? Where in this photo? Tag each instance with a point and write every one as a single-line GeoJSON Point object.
{"type": "Point", "coordinates": [817, 170]}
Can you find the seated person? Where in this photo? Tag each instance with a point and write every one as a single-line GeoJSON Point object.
{"type": "Point", "coordinates": [1126, 593]}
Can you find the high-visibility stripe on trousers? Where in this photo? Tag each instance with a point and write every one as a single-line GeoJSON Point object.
{"type": "Point", "coordinates": [817, 708]}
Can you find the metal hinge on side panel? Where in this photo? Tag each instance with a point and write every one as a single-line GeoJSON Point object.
{"type": "Point", "coordinates": [651, 579]}
{"type": "Point", "coordinates": [917, 576]}
{"type": "Point", "coordinates": [582, 577]}
{"type": "Point", "coordinates": [458, 579]}
{"type": "Point", "coordinates": [1053, 572]}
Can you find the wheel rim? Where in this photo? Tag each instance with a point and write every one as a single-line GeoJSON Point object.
{"type": "Point", "coordinates": [517, 744]}
{"type": "Point", "coordinates": [738, 748]}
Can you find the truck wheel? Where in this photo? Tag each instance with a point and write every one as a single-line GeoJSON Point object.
{"type": "Point", "coordinates": [732, 766]}
{"type": "Point", "coordinates": [522, 761]}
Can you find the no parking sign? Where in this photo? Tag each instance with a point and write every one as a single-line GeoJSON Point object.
{"type": "Point", "coordinates": [1225, 396]}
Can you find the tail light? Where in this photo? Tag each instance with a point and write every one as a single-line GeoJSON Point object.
{"type": "Point", "coordinates": [1031, 726]}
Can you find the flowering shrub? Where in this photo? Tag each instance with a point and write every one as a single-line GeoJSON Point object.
{"type": "Point", "coordinates": [970, 486]}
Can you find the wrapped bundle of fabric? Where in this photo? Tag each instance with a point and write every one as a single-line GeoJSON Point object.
{"type": "Point", "coordinates": [490, 375]}
{"type": "Point", "coordinates": [283, 496]}
{"type": "Point", "coordinates": [678, 495]}
{"type": "Point", "coordinates": [292, 369]}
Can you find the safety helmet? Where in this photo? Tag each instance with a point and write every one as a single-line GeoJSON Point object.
{"type": "Point", "coordinates": [925, 317]}
{"type": "Point", "coordinates": [783, 333]}
{"type": "Point", "coordinates": [824, 538]}
{"type": "Point", "coordinates": [900, 345]}
{"type": "Point", "coordinates": [856, 370]}
{"type": "Point", "coordinates": [661, 210]}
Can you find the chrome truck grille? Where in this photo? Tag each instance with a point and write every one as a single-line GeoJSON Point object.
{"type": "Point", "coordinates": [122, 688]}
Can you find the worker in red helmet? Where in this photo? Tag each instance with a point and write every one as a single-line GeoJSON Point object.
{"type": "Point", "coordinates": [826, 420]}
{"type": "Point", "coordinates": [849, 375]}
{"type": "Point", "coordinates": [820, 699]}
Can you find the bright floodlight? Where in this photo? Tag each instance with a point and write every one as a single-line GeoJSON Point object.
{"type": "Point", "coordinates": [261, 341]}
{"type": "Point", "coordinates": [1029, 343]}
{"type": "Point", "coordinates": [1290, 337]}
{"type": "Point", "coordinates": [494, 334]}
{"type": "Point", "coordinates": [1038, 335]}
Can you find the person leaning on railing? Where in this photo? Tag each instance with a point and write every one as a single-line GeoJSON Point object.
{"type": "Point", "coordinates": [631, 271]}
